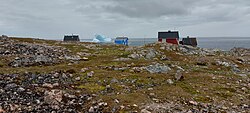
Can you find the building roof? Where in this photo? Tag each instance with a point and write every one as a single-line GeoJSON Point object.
{"type": "Point", "coordinates": [71, 35]}
{"type": "Point", "coordinates": [121, 38]}
{"type": "Point", "coordinates": [168, 35]}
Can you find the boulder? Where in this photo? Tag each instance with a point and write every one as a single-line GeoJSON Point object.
{"type": "Point", "coordinates": [53, 97]}
{"type": "Point", "coordinates": [179, 76]}
{"type": "Point", "coordinates": [158, 68]}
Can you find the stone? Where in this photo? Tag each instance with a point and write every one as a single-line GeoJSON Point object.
{"type": "Point", "coordinates": [180, 68]}
{"type": "Point", "coordinates": [116, 101]}
{"type": "Point", "coordinates": [202, 62]}
{"type": "Point", "coordinates": [91, 109]}
{"type": "Point", "coordinates": [53, 97]}
{"type": "Point", "coordinates": [90, 74]}
{"type": "Point", "coordinates": [134, 56]}
{"type": "Point", "coordinates": [235, 69]}
{"type": "Point", "coordinates": [10, 86]}
{"type": "Point", "coordinates": [158, 68]}
{"type": "Point", "coordinates": [1, 110]}
{"type": "Point", "coordinates": [84, 59]}
{"type": "Point", "coordinates": [56, 75]}
{"type": "Point", "coordinates": [193, 103]}
{"type": "Point", "coordinates": [164, 58]}
{"type": "Point", "coordinates": [152, 94]}
{"type": "Point", "coordinates": [243, 75]}
{"type": "Point", "coordinates": [145, 111]}
{"type": "Point", "coordinates": [240, 59]}
{"type": "Point", "coordinates": [122, 107]}
{"type": "Point", "coordinates": [77, 78]}
{"type": "Point", "coordinates": [150, 89]}
{"type": "Point", "coordinates": [55, 84]}
{"type": "Point", "coordinates": [151, 54]}
{"type": "Point", "coordinates": [179, 76]}
{"type": "Point", "coordinates": [135, 105]}
{"type": "Point", "coordinates": [20, 89]}
{"type": "Point", "coordinates": [47, 85]}
{"type": "Point", "coordinates": [222, 63]}
{"type": "Point", "coordinates": [169, 81]}
{"type": "Point", "coordinates": [114, 80]}
{"type": "Point", "coordinates": [122, 59]}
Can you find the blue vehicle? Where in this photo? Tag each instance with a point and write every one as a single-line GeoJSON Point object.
{"type": "Point", "coordinates": [121, 41]}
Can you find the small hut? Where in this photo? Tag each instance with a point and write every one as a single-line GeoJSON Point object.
{"type": "Point", "coordinates": [73, 38]}
{"type": "Point", "coordinates": [169, 37]}
{"type": "Point", "coordinates": [121, 40]}
{"type": "Point", "coordinates": [189, 41]}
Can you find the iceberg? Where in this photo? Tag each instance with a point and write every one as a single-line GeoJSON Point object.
{"type": "Point", "coordinates": [101, 39]}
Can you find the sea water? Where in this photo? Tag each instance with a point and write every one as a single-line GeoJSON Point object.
{"type": "Point", "coordinates": [223, 43]}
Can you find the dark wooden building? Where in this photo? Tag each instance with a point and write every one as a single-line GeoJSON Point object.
{"type": "Point", "coordinates": [71, 38]}
{"type": "Point", "coordinates": [189, 41]}
{"type": "Point", "coordinates": [169, 37]}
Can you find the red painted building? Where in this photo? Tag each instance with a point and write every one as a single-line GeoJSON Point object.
{"type": "Point", "coordinates": [169, 37]}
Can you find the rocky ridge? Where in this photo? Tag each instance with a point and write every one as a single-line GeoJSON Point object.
{"type": "Point", "coordinates": [108, 78]}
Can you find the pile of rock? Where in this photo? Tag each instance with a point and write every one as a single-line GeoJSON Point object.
{"type": "Point", "coordinates": [191, 107]}
{"type": "Point", "coordinates": [28, 54]}
{"type": "Point", "coordinates": [158, 68]}
{"type": "Point", "coordinates": [39, 93]}
{"type": "Point", "coordinates": [33, 61]}
{"type": "Point", "coordinates": [185, 49]}
{"type": "Point", "coordinates": [15, 48]}
{"type": "Point", "coordinates": [240, 52]}
{"type": "Point", "coordinates": [144, 53]}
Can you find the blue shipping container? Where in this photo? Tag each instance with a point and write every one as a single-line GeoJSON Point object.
{"type": "Point", "coordinates": [121, 40]}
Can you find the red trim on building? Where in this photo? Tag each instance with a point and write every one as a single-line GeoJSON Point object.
{"type": "Point", "coordinates": [173, 41]}
{"type": "Point", "coordinates": [159, 39]}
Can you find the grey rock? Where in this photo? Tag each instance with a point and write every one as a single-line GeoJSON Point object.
{"type": "Point", "coordinates": [91, 109]}
{"type": "Point", "coordinates": [221, 63]}
{"type": "Point", "coordinates": [114, 80]}
{"type": "Point", "coordinates": [10, 86]}
{"type": "Point", "coordinates": [122, 59]}
{"type": "Point", "coordinates": [47, 85]}
{"type": "Point", "coordinates": [145, 111]}
{"type": "Point", "coordinates": [53, 97]}
{"type": "Point", "coordinates": [164, 57]}
{"type": "Point", "coordinates": [20, 89]}
{"type": "Point", "coordinates": [202, 62]}
{"type": "Point", "coordinates": [90, 74]}
{"type": "Point", "coordinates": [158, 68]}
{"type": "Point", "coordinates": [169, 81]}
{"type": "Point", "coordinates": [77, 78]}
{"type": "Point", "coordinates": [235, 69]}
{"type": "Point", "coordinates": [151, 54]}
{"type": "Point", "coordinates": [134, 56]}
{"type": "Point", "coordinates": [179, 76]}
{"type": "Point", "coordinates": [121, 69]}
{"type": "Point", "coordinates": [243, 75]}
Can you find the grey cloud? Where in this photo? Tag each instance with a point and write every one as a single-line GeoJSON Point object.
{"type": "Point", "coordinates": [53, 18]}
{"type": "Point", "coordinates": [149, 8]}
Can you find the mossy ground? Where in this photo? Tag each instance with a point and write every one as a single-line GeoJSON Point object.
{"type": "Point", "coordinates": [201, 83]}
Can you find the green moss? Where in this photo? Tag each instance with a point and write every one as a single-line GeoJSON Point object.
{"type": "Point", "coordinates": [73, 47]}
{"type": "Point", "coordinates": [224, 92]}
{"type": "Point", "coordinates": [124, 54]}
{"type": "Point", "coordinates": [1, 64]}
{"type": "Point", "coordinates": [187, 87]}
{"type": "Point", "coordinates": [93, 87]}
{"type": "Point", "coordinates": [203, 99]}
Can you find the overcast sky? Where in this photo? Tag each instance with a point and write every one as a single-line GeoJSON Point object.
{"type": "Point", "coordinates": [52, 19]}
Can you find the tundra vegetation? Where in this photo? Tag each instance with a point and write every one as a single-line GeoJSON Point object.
{"type": "Point", "coordinates": [53, 76]}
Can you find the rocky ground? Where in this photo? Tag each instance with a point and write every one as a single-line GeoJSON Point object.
{"type": "Point", "coordinates": [53, 76]}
